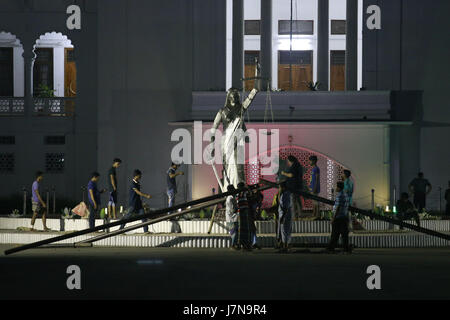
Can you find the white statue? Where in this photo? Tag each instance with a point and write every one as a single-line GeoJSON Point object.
{"type": "Point", "coordinates": [231, 116]}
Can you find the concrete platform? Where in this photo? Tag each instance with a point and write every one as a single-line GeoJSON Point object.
{"type": "Point", "coordinates": [399, 239]}
{"type": "Point", "coordinates": [201, 226]}
{"type": "Point", "coordinates": [376, 234]}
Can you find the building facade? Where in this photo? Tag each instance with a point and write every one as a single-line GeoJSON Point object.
{"type": "Point", "coordinates": [135, 70]}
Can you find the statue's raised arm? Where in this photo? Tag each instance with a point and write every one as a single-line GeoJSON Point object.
{"type": "Point", "coordinates": [249, 99]}
{"type": "Point", "coordinates": [257, 87]}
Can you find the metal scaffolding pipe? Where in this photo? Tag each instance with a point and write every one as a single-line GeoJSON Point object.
{"type": "Point", "coordinates": [153, 221]}
{"type": "Point", "coordinates": [371, 214]}
{"type": "Point", "coordinates": [128, 220]}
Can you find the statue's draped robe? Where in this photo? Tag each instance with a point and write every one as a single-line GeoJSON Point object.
{"type": "Point", "coordinates": [232, 118]}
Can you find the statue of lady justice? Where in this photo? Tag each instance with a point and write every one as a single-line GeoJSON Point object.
{"type": "Point", "coordinates": [231, 116]}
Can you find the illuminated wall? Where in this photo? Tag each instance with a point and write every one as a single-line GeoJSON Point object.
{"type": "Point", "coordinates": [360, 148]}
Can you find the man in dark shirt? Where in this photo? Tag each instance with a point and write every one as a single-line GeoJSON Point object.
{"type": "Point", "coordinates": [420, 188]}
{"type": "Point", "coordinates": [406, 210]}
{"type": "Point", "coordinates": [135, 201]}
{"type": "Point", "coordinates": [94, 198]}
{"type": "Point", "coordinates": [294, 183]}
{"type": "Point", "coordinates": [340, 219]}
{"type": "Point", "coordinates": [172, 183]}
{"type": "Point", "coordinates": [112, 184]}
{"type": "Point", "coordinates": [447, 198]}
{"type": "Point", "coordinates": [172, 192]}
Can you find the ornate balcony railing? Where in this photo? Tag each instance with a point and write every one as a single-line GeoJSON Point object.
{"type": "Point", "coordinates": [57, 106]}
{"type": "Point", "coordinates": [64, 107]}
{"type": "Point", "coordinates": [12, 106]}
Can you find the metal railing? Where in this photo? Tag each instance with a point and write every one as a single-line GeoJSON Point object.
{"type": "Point", "coordinates": [56, 106]}
{"type": "Point", "coordinates": [60, 106]}
{"type": "Point", "coordinates": [12, 106]}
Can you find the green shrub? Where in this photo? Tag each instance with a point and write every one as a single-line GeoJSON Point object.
{"type": "Point", "coordinates": [264, 215]}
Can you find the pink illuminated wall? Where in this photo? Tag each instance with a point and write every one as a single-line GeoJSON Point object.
{"type": "Point", "coordinates": [330, 172]}
{"type": "Point", "coordinates": [359, 148]}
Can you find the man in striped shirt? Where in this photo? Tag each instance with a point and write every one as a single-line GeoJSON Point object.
{"type": "Point", "coordinates": [340, 220]}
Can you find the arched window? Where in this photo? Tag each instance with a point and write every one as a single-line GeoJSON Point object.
{"type": "Point", "coordinates": [11, 66]}
{"type": "Point", "coordinates": [54, 71]}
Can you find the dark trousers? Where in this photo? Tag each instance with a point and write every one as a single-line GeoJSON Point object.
{"type": "Point", "coordinates": [93, 213]}
{"type": "Point", "coordinates": [245, 229]}
{"type": "Point", "coordinates": [419, 201]}
{"type": "Point", "coordinates": [339, 228]}
{"type": "Point", "coordinates": [131, 212]}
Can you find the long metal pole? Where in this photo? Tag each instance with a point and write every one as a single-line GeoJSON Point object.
{"type": "Point", "coordinates": [216, 197]}
{"type": "Point", "coordinates": [212, 219]}
{"type": "Point", "coordinates": [128, 220]}
{"type": "Point", "coordinates": [152, 221]}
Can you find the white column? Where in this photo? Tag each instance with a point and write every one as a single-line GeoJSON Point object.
{"type": "Point", "coordinates": [58, 71]}
{"type": "Point", "coordinates": [19, 69]}
{"type": "Point", "coordinates": [229, 44]}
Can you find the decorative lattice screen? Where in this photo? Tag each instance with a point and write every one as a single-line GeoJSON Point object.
{"type": "Point", "coordinates": [330, 173]}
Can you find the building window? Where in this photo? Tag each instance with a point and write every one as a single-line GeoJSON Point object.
{"type": "Point", "coordinates": [7, 140]}
{"type": "Point", "coordinates": [296, 57]}
{"type": "Point", "coordinates": [54, 162]}
{"type": "Point", "coordinates": [55, 140]}
{"type": "Point", "coordinates": [7, 162]}
{"type": "Point", "coordinates": [43, 72]}
{"type": "Point", "coordinates": [250, 68]}
{"type": "Point", "coordinates": [295, 70]}
{"type": "Point", "coordinates": [252, 27]}
{"type": "Point", "coordinates": [337, 26]}
{"type": "Point", "coordinates": [6, 72]}
{"type": "Point", "coordinates": [305, 27]}
{"type": "Point", "coordinates": [337, 70]}
{"type": "Point", "coordinates": [337, 57]}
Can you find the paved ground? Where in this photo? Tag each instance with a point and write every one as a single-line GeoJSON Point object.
{"type": "Point", "coordinates": [172, 273]}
